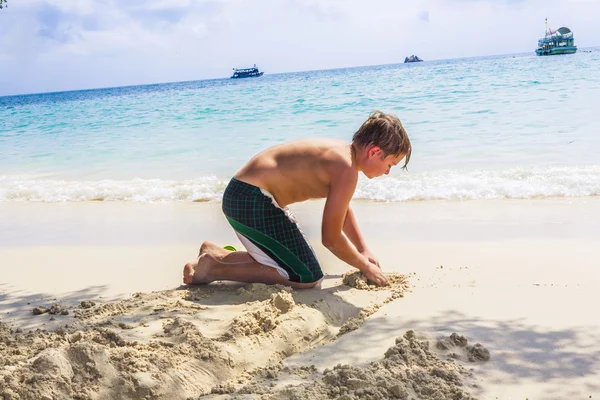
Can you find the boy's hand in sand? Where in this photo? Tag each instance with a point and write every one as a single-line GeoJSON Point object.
{"type": "Point", "coordinates": [374, 274]}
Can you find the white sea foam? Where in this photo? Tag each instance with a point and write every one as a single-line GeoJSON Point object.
{"type": "Point", "coordinates": [21, 189]}
{"type": "Point", "coordinates": [515, 183]}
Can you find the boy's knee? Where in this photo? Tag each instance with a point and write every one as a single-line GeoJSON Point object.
{"type": "Point", "coordinates": [305, 285]}
{"type": "Point", "coordinates": [316, 284]}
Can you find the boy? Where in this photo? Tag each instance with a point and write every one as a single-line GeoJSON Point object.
{"type": "Point", "coordinates": [255, 204]}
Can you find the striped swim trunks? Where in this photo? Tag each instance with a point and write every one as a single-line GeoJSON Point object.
{"type": "Point", "coordinates": [269, 232]}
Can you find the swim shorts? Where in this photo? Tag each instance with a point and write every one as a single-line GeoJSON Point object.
{"type": "Point", "coordinates": [269, 232]}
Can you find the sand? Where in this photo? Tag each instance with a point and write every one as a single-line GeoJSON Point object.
{"type": "Point", "coordinates": [179, 344]}
{"type": "Point", "coordinates": [173, 344]}
{"type": "Point", "coordinates": [489, 300]}
{"type": "Point", "coordinates": [408, 369]}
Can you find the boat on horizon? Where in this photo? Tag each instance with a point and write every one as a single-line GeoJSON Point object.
{"type": "Point", "coordinates": [246, 73]}
{"type": "Point", "coordinates": [556, 42]}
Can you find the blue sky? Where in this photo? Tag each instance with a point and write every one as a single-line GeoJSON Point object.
{"type": "Point", "coordinates": [79, 44]}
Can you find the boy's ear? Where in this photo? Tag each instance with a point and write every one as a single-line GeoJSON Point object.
{"type": "Point", "coordinates": [374, 150]}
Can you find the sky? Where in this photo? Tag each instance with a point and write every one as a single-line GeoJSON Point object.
{"type": "Point", "coordinates": [81, 44]}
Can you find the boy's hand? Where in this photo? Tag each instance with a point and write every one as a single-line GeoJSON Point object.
{"type": "Point", "coordinates": [367, 253]}
{"type": "Point", "coordinates": [374, 274]}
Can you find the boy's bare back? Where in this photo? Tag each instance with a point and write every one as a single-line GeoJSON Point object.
{"type": "Point", "coordinates": [300, 170]}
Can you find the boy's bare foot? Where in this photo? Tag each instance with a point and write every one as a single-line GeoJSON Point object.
{"type": "Point", "coordinates": [203, 268]}
{"type": "Point", "coordinates": [198, 272]}
{"type": "Point", "coordinates": [188, 272]}
{"type": "Point", "coordinates": [213, 249]}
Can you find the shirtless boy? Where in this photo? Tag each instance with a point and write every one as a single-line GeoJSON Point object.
{"type": "Point", "coordinates": [256, 199]}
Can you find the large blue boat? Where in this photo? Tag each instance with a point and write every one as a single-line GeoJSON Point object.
{"type": "Point", "coordinates": [246, 73]}
{"type": "Point", "coordinates": [560, 41]}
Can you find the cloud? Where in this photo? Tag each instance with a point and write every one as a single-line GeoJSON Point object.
{"type": "Point", "coordinates": [54, 24]}
{"type": "Point", "coordinates": [150, 13]}
{"type": "Point", "coordinates": [51, 45]}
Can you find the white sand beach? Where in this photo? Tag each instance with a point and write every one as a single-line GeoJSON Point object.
{"type": "Point", "coordinates": [518, 277]}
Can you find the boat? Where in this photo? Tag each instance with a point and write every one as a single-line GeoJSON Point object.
{"type": "Point", "coordinates": [246, 73]}
{"type": "Point", "coordinates": [556, 42]}
{"type": "Point", "coordinates": [412, 59]}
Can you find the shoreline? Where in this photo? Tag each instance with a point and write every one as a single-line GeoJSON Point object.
{"type": "Point", "coordinates": [115, 223]}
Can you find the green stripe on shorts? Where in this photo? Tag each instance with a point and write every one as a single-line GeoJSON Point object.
{"type": "Point", "coordinates": [284, 255]}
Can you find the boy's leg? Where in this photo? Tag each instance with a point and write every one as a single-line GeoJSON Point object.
{"type": "Point", "coordinates": [224, 255]}
{"type": "Point", "coordinates": [269, 233]}
{"type": "Point", "coordinates": [208, 269]}
{"type": "Point", "coordinates": [217, 252]}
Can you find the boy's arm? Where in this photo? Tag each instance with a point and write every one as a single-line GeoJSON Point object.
{"type": "Point", "coordinates": [352, 231]}
{"type": "Point", "coordinates": [334, 217]}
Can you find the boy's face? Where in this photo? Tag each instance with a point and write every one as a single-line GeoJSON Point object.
{"type": "Point", "coordinates": [378, 163]}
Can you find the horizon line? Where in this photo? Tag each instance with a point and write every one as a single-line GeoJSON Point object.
{"type": "Point", "coordinates": [270, 74]}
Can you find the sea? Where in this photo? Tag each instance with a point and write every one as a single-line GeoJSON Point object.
{"type": "Point", "coordinates": [502, 127]}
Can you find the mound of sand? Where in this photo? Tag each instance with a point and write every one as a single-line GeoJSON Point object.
{"type": "Point", "coordinates": [457, 347]}
{"type": "Point", "coordinates": [173, 344]}
{"type": "Point", "coordinates": [187, 343]}
{"type": "Point", "coordinates": [408, 370]}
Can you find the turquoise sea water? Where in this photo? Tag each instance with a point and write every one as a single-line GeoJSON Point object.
{"type": "Point", "coordinates": [482, 128]}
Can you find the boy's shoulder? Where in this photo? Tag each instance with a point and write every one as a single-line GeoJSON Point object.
{"type": "Point", "coordinates": [335, 153]}
{"type": "Point", "coordinates": [338, 161]}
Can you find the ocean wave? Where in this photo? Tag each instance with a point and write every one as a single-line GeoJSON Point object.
{"type": "Point", "coordinates": [19, 189]}
{"type": "Point", "coordinates": [514, 183]}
